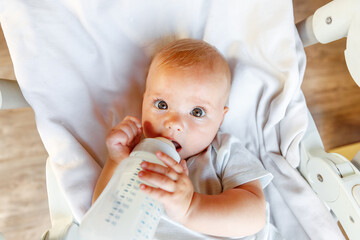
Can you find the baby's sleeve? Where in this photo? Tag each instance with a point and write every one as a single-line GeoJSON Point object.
{"type": "Point", "coordinates": [237, 165]}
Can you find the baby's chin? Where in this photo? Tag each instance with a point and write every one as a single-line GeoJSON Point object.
{"type": "Point", "coordinates": [186, 155]}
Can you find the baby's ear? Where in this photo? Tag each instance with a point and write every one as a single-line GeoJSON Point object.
{"type": "Point", "coordinates": [226, 109]}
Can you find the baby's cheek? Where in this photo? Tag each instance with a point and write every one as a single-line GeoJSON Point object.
{"type": "Point", "coordinates": [191, 149]}
{"type": "Point", "coordinates": [149, 130]}
{"type": "Point", "coordinates": [204, 141]}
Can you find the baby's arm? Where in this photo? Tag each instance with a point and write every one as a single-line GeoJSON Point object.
{"type": "Point", "coordinates": [236, 212]}
{"type": "Point", "coordinates": [119, 142]}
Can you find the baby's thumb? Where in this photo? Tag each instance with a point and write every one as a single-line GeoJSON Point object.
{"type": "Point", "coordinates": [137, 138]}
{"type": "Point", "coordinates": [184, 166]}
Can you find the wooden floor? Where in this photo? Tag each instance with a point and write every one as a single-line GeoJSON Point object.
{"type": "Point", "coordinates": [23, 201]}
{"type": "Point", "coordinates": [332, 96]}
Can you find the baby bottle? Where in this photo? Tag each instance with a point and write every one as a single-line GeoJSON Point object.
{"type": "Point", "coordinates": [123, 211]}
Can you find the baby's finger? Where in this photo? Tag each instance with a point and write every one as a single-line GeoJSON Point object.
{"type": "Point", "coordinates": [116, 137]}
{"type": "Point", "coordinates": [135, 120]}
{"type": "Point", "coordinates": [137, 138]}
{"type": "Point", "coordinates": [171, 163]}
{"type": "Point", "coordinates": [158, 180]}
{"type": "Point", "coordinates": [131, 122]}
{"type": "Point", "coordinates": [128, 130]}
{"type": "Point", "coordinates": [155, 193]}
{"type": "Point", "coordinates": [131, 126]}
{"type": "Point", "coordinates": [160, 169]}
{"type": "Point", "coordinates": [184, 166]}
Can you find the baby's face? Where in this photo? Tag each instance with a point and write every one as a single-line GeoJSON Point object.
{"type": "Point", "coordinates": [185, 107]}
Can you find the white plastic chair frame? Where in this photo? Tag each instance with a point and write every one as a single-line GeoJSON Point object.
{"type": "Point", "coordinates": [10, 95]}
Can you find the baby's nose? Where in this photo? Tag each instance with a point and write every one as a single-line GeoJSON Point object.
{"type": "Point", "coordinates": [174, 123]}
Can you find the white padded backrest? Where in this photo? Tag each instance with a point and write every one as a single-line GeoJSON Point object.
{"type": "Point", "coordinates": [81, 65]}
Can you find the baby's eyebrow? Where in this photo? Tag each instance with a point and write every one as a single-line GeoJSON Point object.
{"type": "Point", "coordinates": [156, 93]}
{"type": "Point", "coordinates": [206, 104]}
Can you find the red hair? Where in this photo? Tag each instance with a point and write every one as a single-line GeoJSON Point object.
{"type": "Point", "coordinates": [187, 54]}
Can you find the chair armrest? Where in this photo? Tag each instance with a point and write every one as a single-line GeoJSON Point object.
{"type": "Point", "coordinates": [329, 23]}
{"type": "Point", "coordinates": [306, 31]}
{"type": "Point", "coordinates": [10, 95]}
{"type": "Point", "coordinates": [335, 180]}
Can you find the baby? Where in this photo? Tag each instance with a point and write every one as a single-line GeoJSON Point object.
{"type": "Point", "coordinates": [216, 189]}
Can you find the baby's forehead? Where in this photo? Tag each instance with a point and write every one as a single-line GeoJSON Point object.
{"type": "Point", "coordinates": [191, 81]}
{"type": "Point", "coordinates": [214, 72]}
{"type": "Point", "coordinates": [196, 74]}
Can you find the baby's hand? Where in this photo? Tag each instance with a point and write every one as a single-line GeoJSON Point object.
{"type": "Point", "coordinates": [123, 138]}
{"type": "Point", "coordinates": [174, 188]}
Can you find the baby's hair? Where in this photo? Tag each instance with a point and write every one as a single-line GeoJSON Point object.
{"type": "Point", "coordinates": [186, 54]}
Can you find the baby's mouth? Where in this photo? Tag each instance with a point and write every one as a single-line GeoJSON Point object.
{"type": "Point", "coordinates": [177, 145]}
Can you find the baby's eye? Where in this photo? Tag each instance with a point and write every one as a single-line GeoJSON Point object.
{"type": "Point", "coordinates": [198, 112]}
{"type": "Point", "coordinates": [161, 104]}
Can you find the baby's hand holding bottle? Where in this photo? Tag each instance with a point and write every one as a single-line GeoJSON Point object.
{"type": "Point", "coordinates": [121, 140]}
{"type": "Point", "coordinates": [173, 187]}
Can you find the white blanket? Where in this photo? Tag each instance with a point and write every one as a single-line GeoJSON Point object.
{"type": "Point", "coordinates": [82, 64]}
